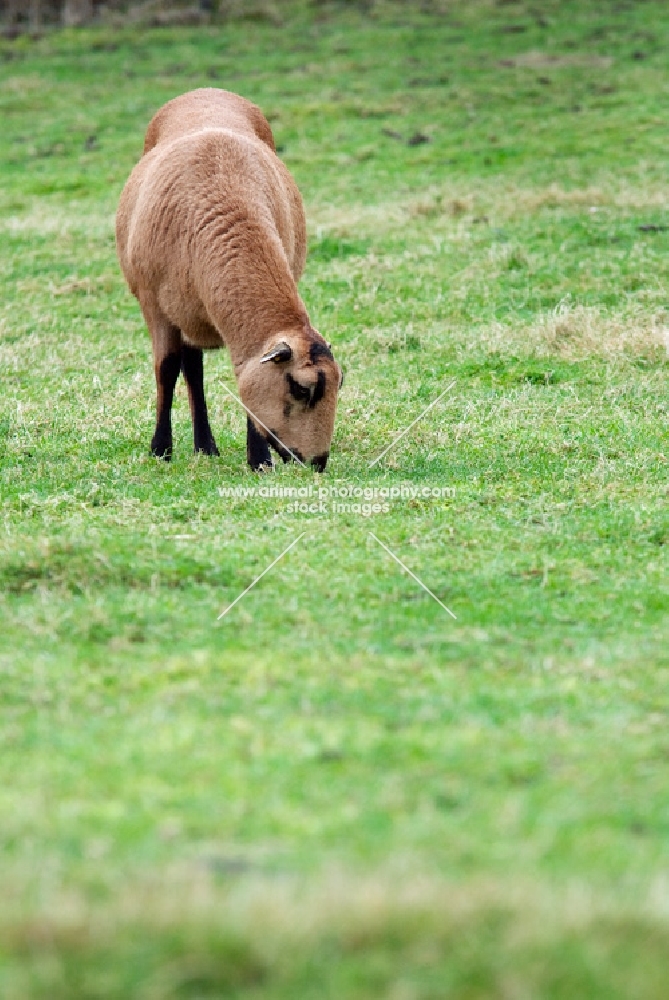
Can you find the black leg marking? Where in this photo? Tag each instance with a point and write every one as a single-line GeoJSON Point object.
{"type": "Point", "coordinates": [167, 375]}
{"type": "Point", "coordinates": [191, 366]}
{"type": "Point", "coordinates": [257, 450]}
{"type": "Point", "coordinates": [320, 461]}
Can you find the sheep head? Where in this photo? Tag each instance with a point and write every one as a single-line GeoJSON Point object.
{"type": "Point", "coordinates": [291, 390]}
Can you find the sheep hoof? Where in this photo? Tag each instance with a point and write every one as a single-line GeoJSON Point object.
{"type": "Point", "coordinates": [207, 447]}
{"type": "Point", "coordinates": [263, 467]}
{"type": "Point", "coordinates": [160, 448]}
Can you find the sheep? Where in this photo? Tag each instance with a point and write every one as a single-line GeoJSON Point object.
{"type": "Point", "coordinates": [211, 238]}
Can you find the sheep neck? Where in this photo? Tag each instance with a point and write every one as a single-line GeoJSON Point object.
{"type": "Point", "coordinates": [253, 299]}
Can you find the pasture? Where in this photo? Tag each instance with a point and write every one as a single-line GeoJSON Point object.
{"type": "Point", "coordinates": [337, 789]}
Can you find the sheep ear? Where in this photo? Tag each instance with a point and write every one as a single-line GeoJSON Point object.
{"type": "Point", "coordinates": [280, 352]}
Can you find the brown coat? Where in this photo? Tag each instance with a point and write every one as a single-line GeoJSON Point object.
{"type": "Point", "coordinates": [211, 238]}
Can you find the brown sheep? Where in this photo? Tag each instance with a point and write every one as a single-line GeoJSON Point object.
{"type": "Point", "coordinates": [211, 237]}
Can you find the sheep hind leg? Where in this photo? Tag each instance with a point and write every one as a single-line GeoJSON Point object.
{"type": "Point", "coordinates": [166, 342]}
{"type": "Point", "coordinates": [192, 368]}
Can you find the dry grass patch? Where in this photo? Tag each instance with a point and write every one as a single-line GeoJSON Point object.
{"type": "Point", "coordinates": [278, 917]}
{"type": "Point", "coordinates": [575, 332]}
{"type": "Point", "coordinates": [76, 218]}
{"type": "Point", "coordinates": [609, 192]}
{"type": "Point", "coordinates": [390, 935]}
{"type": "Point", "coordinates": [490, 201]}
{"type": "Point", "coordinates": [546, 60]}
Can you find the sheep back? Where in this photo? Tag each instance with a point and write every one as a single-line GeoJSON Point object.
{"type": "Point", "coordinates": [211, 223]}
{"type": "Point", "coordinates": [207, 107]}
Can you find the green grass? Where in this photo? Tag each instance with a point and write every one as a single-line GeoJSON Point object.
{"type": "Point", "coordinates": [337, 790]}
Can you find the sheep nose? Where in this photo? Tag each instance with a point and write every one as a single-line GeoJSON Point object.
{"type": "Point", "coordinates": [320, 461]}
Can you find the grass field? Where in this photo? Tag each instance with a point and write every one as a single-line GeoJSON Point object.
{"type": "Point", "coordinates": [338, 789]}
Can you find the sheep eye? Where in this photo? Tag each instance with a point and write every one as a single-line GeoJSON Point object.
{"type": "Point", "coordinates": [297, 391]}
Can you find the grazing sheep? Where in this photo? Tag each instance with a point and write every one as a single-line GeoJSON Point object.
{"type": "Point", "coordinates": [211, 237]}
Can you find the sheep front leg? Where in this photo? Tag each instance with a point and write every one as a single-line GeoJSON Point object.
{"type": "Point", "coordinates": [192, 368]}
{"type": "Point", "coordinates": [258, 454]}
